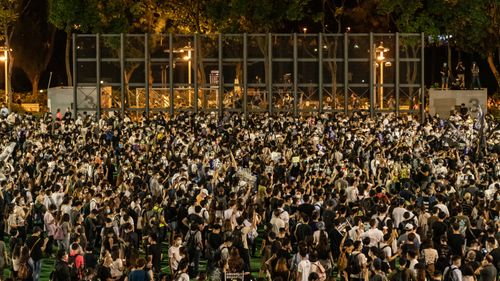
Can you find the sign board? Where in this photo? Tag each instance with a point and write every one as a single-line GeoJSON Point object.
{"type": "Point", "coordinates": [214, 79]}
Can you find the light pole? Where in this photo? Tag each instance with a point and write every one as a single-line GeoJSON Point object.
{"type": "Point", "coordinates": [5, 59]}
{"type": "Point", "coordinates": [187, 58]}
{"type": "Point", "coordinates": [380, 51]}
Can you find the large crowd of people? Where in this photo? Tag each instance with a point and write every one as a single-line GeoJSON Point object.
{"type": "Point", "coordinates": [205, 196]}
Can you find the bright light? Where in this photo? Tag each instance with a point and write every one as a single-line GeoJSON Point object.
{"type": "Point", "coordinates": [388, 64]}
{"type": "Point", "coordinates": [102, 82]}
{"type": "Point", "coordinates": [356, 46]}
{"type": "Point", "coordinates": [3, 58]}
{"type": "Point", "coordinates": [381, 57]}
{"type": "Point", "coordinates": [305, 30]}
{"type": "Point", "coordinates": [186, 58]}
{"type": "Point", "coordinates": [41, 91]}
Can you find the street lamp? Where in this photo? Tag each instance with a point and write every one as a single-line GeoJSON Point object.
{"type": "Point", "coordinates": [380, 57]}
{"type": "Point", "coordinates": [5, 59]}
{"type": "Point", "coordinates": [187, 58]}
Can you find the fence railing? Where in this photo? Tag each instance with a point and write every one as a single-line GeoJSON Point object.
{"type": "Point", "coordinates": [295, 73]}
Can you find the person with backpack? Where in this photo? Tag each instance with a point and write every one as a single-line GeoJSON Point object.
{"type": "Point", "coordinates": [356, 263]}
{"type": "Point", "coordinates": [182, 274]}
{"type": "Point", "coordinates": [317, 267]}
{"type": "Point", "coordinates": [453, 272]}
{"type": "Point", "coordinates": [24, 266]}
{"type": "Point", "coordinates": [37, 212]}
{"type": "Point", "coordinates": [76, 262]}
{"type": "Point", "coordinates": [62, 270]}
{"type": "Point", "coordinates": [194, 245]}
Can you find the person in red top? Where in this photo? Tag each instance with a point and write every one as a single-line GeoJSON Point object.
{"type": "Point", "coordinates": [75, 259]}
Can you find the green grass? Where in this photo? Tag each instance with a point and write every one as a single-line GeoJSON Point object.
{"type": "Point", "coordinates": [49, 263]}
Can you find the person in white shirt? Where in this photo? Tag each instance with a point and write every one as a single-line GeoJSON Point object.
{"type": "Point", "coordinates": [398, 213]}
{"type": "Point", "coordinates": [277, 222]}
{"type": "Point", "coordinates": [352, 193]}
{"type": "Point", "coordinates": [376, 235]}
{"type": "Point", "coordinates": [441, 206]}
{"type": "Point", "coordinates": [174, 256]}
{"type": "Point", "coordinates": [303, 270]}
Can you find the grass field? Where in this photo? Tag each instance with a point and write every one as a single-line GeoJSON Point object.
{"type": "Point", "coordinates": [48, 263]}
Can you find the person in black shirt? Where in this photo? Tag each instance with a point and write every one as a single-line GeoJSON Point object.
{"type": "Point", "coordinates": [61, 271]}
{"type": "Point", "coordinates": [90, 260]}
{"type": "Point", "coordinates": [306, 207]}
{"type": "Point", "coordinates": [439, 228]}
{"type": "Point", "coordinates": [214, 241]}
{"type": "Point", "coordinates": [36, 243]}
{"type": "Point", "coordinates": [456, 240]}
{"type": "Point", "coordinates": [154, 254]}
{"type": "Point", "coordinates": [303, 229]}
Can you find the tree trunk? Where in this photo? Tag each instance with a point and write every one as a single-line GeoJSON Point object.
{"type": "Point", "coordinates": [494, 70]}
{"type": "Point", "coordinates": [66, 58]}
{"type": "Point", "coordinates": [127, 75]}
{"type": "Point", "coordinates": [34, 85]}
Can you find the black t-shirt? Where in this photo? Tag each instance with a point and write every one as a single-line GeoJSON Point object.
{"type": "Point", "coordinates": [90, 260]}
{"type": "Point", "coordinates": [456, 242]}
{"type": "Point", "coordinates": [303, 230]}
{"type": "Point", "coordinates": [104, 272]}
{"type": "Point", "coordinates": [62, 271]}
{"type": "Point", "coordinates": [438, 229]}
{"type": "Point", "coordinates": [496, 257]}
{"type": "Point", "coordinates": [307, 209]}
{"type": "Point", "coordinates": [215, 240]}
{"type": "Point", "coordinates": [35, 244]}
{"type": "Point", "coordinates": [154, 250]}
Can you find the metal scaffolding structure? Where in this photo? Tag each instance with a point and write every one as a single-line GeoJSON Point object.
{"type": "Point", "coordinates": [295, 73]}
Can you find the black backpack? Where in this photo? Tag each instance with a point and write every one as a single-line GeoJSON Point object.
{"type": "Point", "coordinates": [38, 214]}
{"type": "Point", "coordinates": [191, 244]}
{"type": "Point", "coordinates": [449, 274]}
{"type": "Point", "coordinates": [353, 266]}
{"type": "Point", "coordinates": [381, 222]}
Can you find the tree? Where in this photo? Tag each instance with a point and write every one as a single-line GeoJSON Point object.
{"type": "Point", "coordinates": [118, 16]}
{"type": "Point", "coordinates": [9, 13]}
{"type": "Point", "coordinates": [409, 16]}
{"type": "Point", "coordinates": [70, 16]}
{"type": "Point", "coordinates": [33, 40]}
{"type": "Point", "coordinates": [257, 16]}
{"type": "Point", "coordinates": [475, 27]}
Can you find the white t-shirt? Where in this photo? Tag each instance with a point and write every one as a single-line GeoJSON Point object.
{"type": "Point", "coordinates": [397, 215]}
{"type": "Point", "coordinates": [376, 235]}
{"type": "Point", "coordinates": [304, 268]}
{"type": "Point", "coordinates": [175, 256]}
